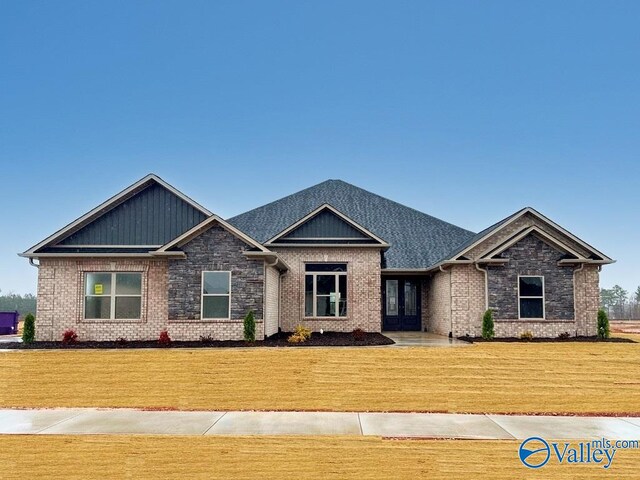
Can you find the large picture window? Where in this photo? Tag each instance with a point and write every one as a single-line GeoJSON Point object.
{"type": "Point", "coordinates": [112, 296]}
{"type": "Point", "coordinates": [531, 296]}
{"type": "Point", "coordinates": [325, 290]}
{"type": "Point", "coordinates": [216, 295]}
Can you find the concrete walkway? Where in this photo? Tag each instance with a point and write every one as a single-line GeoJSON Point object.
{"type": "Point", "coordinates": [425, 425]}
{"type": "Point", "coordinates": [423, 339]}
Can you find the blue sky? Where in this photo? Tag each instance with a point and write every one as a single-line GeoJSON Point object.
{"type": "Point", "coordinates": [464, 110]}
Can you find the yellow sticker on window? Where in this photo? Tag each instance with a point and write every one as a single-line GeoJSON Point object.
{"type": "Point", "coordinates": [97, 289]}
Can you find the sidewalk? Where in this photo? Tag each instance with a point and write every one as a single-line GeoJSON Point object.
{"type": "Point", "coordinates": [428, 425]}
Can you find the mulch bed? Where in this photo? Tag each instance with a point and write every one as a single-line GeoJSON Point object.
{"type": "Point", "coordinates": [548, 340]}
{"type": "Point", "coordinates": [327, 339]}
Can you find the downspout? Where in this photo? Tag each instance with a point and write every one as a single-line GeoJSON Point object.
{"type": "Point", "coordinates": [450, 302]}
{"type": "Point", "coordinates": [575, 305]}
{"type": "Point", "coordinates": [486, 286]}
{"type": "Point", "coordinates": [33, 264]}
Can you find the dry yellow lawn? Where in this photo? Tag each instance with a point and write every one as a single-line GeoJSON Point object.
{"type": "Point", "coordinates": [497, 377]}
{"type": "Point", "coordinates": [161, 457]}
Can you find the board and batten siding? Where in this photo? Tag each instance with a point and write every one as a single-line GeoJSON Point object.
{"type": "Point", "coordinates": [153, 216]}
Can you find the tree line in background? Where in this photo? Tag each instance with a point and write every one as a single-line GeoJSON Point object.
{"type": "Point", "coordinates": [619, 304]}
{"type": "Point", "coordinates": [10, 302]}
{"type": "Point", "coordinates": [616, 301]}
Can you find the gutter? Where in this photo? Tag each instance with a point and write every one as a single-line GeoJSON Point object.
{"type": "Point", "coordinates": [272, 259]}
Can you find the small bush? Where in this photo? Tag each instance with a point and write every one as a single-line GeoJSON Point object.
{"type": "Point", "coordinates": [603, 325]}
{"type": "Point", "coordinates": [69, 337]}
{"type": "Point", "coordinates": [528, 336]}
{"type": "Point", "coordinates": [488, 331]}
{"type": "Point", "coordinates": [564, 336]}
{"type": "Point", "coordinates": [206, 339]}
{"type": "Point", "coordinates": [303, 332]}
{"type": "Point", "coordinates": [29, 329]}
{"type": "Point", "coordinates": [164, 340]}
{"type": "Point", "coordinates": [121, 341]}
{"type": "Point", "coordinates": [300, 335]}
{"type": "Point", "coordinates": [249, 327]}
{"type": "Point", "coordinates": [295, 338]}
{"type": "Point", "coordinates": [359, 335]}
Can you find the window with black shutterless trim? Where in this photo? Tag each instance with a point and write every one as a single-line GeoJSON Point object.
{"type": "Point", "coordinates": [531, 296]}
{"type": "Point", "coordinates": [325, 290]}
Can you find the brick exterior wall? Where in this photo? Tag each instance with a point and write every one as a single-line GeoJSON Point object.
{"type": "Point", "coordinates": [61, 299]}
{"type": "Point", "coordinates": [61, 304]}
{"type": "Point", "coordinates": [271, 301]}
{"type": "Point", "coordinates": [438, 304]}
{"type": "Point", "coordinates": [587, 299]}
{"type": "Point", "coordinates": [363, 288]}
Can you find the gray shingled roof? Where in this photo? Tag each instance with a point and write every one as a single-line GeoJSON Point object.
{"type": "Point", "coordinates": [417, 240]}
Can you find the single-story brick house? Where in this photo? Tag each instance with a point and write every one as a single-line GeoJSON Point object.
{"type": "Point", "coordinates": [333, 257]}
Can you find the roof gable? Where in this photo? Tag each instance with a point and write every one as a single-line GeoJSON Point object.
{"type": "Point", "coordinates": [545, 227]}
{"type": "Point", "coordinates": [554, 242]}
{"type": "Point", "coordinates": [172, 246]}
{"type": "Point", "coordinates": [146, 214]}
{"type": "Point", "coordinates": [326, 225]}
{"type": "Point", "coordinates": [416, 240]}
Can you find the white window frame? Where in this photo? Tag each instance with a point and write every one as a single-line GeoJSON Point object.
{"type": "Point", "coordinates": [337, 276]}
{"type": "Point", "coordinates": [112, 295]}
{"type": "Point", "coordinates": [202, 295]}
{"type": "Point", "coordinates": [543, 298]}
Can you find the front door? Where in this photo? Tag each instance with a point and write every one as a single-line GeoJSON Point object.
{"type": "Point", "coordinates": [401, 304]}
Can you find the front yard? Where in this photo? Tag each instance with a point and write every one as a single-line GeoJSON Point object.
{"type": "Point", "coordinates": [340, 458]}
{"type": "Point", "coordinates": [497, 377]}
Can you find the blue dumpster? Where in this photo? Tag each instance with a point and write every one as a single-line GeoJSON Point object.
{"type": "Point", "coordinates": [9, 323]}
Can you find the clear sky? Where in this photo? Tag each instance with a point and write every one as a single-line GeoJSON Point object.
{"type": "Point", "coordinates": [465, 110]}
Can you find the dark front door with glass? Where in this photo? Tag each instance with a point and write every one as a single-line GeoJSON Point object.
{"type": "Point", "coordinates": [401, 304]}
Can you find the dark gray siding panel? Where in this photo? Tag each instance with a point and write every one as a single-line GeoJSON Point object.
{"type": "Point", "coordinates": [153, 216]}
{"type": "Point", "coordinates": [326, 224]}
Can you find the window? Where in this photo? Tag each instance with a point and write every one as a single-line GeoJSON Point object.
{"type": "Point", "coordinates": [216, 295]}
{"type": "Point", "coordinates": [531, 296]}
{"type": "Point", "coordinates": [325, 290]}
{"type": "Point", "coordinates": [112, 296]}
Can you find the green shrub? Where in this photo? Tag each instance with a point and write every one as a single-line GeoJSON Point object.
{"type": "Point", "coordinates": [488, 331]}
{"type": "Point", "coordinates": [249, 327]}
{"type": "Point", "coordinates": [603, 325]}
{"type": "Point", "coordinates": [528, 336]}
{"type": "Point", "coordinates": [29, 329]}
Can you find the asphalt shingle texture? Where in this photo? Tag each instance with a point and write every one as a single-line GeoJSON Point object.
{"type": "Point", "coordinates": [417, 240]}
